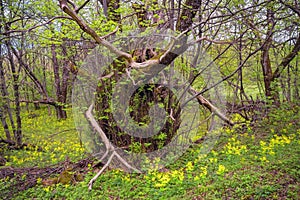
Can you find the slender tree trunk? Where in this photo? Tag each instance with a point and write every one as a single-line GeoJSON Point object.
{"type": "Point", "coordinates": [58, 108]}
{"type": "Point", "coordinates": [65, 80]}
{"type": "Point", "coordinates": [141, 14]}
{"type": "Point", "coordinates": [2, 102]}
{"type": "Point", "coordinates": [60, 86]}
{"type": "Point", "coordinates": [110, 11]}
{"type": "Point", "coordinates": [36, 104]}
{"type": "Point", "coordinates": [44, 81]}
{"type": "Point", "coordinates": [172, 14]}
{"type": "Point", "coordinates": [18, 132]}
{"type": "Point", "coordinates": [270, 90]}
{"type": "Point", "coordinates": [296, 84]}
{"type": "Point", "coordinates": [267, 71]}
{"type": "Point", "coordinates": [4, 124]}
{"type": "Point", "coordinates": [288, 94]}
{"type": "Point", "coordinates": [42, 90]}
{"type": "Point", "coordinates": [6, 102]}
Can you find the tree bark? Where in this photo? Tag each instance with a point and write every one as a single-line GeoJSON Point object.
{"type": "Point", "coordinates": [18, 132]}
{"type": "Point", "coordinates": [296, 83]}
{"type": "Point", "coordinates": [270, 92]}
{"type": "Point", "coordinates": [59, 107]}
{"type": "Point", "coordinates": [4, 99]}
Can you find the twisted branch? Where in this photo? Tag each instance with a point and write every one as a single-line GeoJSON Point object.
{"type": "Point", "coordinates": [109, 147]}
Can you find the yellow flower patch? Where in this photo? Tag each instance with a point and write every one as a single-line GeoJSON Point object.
{"type": "Point", "coordinates": [234, 147]}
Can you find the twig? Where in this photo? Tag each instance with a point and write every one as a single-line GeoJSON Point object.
{"type": "Point", "coordinates": [129, 76]}
{"type": "Point", "coordinates": [95, 125]}
{"type": "Point", "coordinates": [171, 115]}
{"type": "Point", "coordinates": [57, 133]}
{"type": "Point", "coordinates": [171, 45]}
{"type": "Point", "coordinates": [212, 41]}
{"type": "Point", "coordinates": [111, 33]}
{"type": "Point", "coordinates": [36, 26]}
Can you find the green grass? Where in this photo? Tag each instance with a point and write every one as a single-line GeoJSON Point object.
{"type": "Point", "coordinates": [257, 162]}
{"type": "Point", "coordinates": [57, 138]}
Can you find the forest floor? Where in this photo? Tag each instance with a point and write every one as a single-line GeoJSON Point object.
{"type": "Point", "coordinates": [254, 161]}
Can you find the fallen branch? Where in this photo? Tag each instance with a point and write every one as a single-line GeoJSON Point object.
{"type": "Point", "coordinates": [57, 133]}
{"type": "Point", "coordinates": [21, 179]}
{"type": "Point", "coordinates": [109, 147]}
{"type": "Point", "coordinates": [211, 107]}
{"type": "Point", "coordinates": [47, 102]}
{"type": "Point", "coordinates": [13, 145]}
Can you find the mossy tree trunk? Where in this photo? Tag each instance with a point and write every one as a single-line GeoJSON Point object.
{"type": "Point", "coordinates": [140, 103]}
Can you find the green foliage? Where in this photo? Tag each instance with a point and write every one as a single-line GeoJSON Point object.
{"type": "Point", "coordinates": [260, 162]}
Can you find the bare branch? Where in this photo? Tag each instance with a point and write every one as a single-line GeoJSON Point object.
{"type": "Point", "coordinates": [145, 64]}
{"type": "Point", "coordinates": [171, 45]}
{"type": "Point", "coordinates": [95, 125]}
{"type": "Point", "coordinates": [212, 41]}
{"type": "Point", "coordinates": [36, 26]}
{"type": "Point", "coordinates": [287, 59]}
{"type": "Point", "coordinates": [84, 4]}
{"type": "Point", "coordinates": [111, 33]}
{"type": "Point", "coordinates": [91, 32]}
{"type": "Point", "coordinates": [72, 4]}
{"type": "Point", "coordinates": [293, 8]}
{"type": "Point", "coordinates": [227, 77]}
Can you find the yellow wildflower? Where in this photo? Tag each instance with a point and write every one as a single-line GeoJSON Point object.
{"type": "Point", "coordinates": [221, 170]}
{"type": "Point", "coordinates": [189, 166]}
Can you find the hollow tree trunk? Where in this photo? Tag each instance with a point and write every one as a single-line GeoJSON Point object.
{"type": "Point", "coordinates": [144, 96]}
